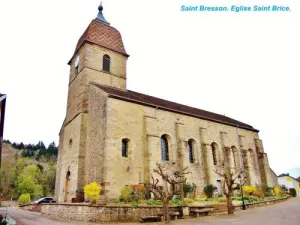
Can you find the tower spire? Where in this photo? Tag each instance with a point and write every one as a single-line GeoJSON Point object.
{"type": "Point", "coordinates": [100, 16]}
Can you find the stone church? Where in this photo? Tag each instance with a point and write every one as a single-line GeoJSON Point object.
{"type": "Point", "coordinates": [115, 136]}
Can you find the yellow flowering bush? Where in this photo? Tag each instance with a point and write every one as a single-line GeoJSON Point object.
{"type": "Point", "coordinates": [92, 191]}
{"type": "Point", "coordinates": [126, 193]}
{"type": "Point", "coordinates": [249, 190]}
{"type": "Point", "coordinates": [277, 191]}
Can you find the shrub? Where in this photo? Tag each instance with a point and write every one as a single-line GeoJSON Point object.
{"type": "Point", "coordinates": [176, 202]}
{"type": "Point", "coordinates": [188, 188]}
{"type": "Point", "coordinates": [269, 192]}
{"type": "Point", "coordinates": [209, 190]}
{"type": "Point", "coordinates": [92, 191]}
{"type": "Point", "coordinates": [210, 199]}
{"type": "Point", "coordinates": [221, 199]}
{"type": "Point", "coordinates": [238, 198]}
{"type": "Point", "coordinates": [249, 190]}
{"type": "Point", "coordinates": [139, 192]}
{"type": "Point", "coordinates": [253, 198]}
{"type": "Point", "coordinates": [188, 200]}
{"type": "Point", "coordinates": [126, 194]}
{"type": "Point", "coordinates": [277, 191]}
{"type": "Point", "coordinates": [200, 199]}
{"type": "Point", "coordinates": [135, 204]}
{"type": "Point", "coordinates": [202, 196]}
{"type": "Point", "coordinates": [24, 199]}
{"type": "Point", "coordinates": [259, 192]}
{"type": "Point", "coordinates": [293, 192]}
{"type": "Point", "coordinates": [284, 188]}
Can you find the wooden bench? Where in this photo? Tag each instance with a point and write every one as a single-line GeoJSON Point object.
{"type": "Point", "coordinates": [172, 215]}
{"type": "Point", "coordinates": [150, 219]}
{"type": "Point", "coordinates": [201, 211]}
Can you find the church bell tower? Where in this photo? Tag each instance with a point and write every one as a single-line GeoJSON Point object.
{"type": "Point", "coordinates": [99, 57]}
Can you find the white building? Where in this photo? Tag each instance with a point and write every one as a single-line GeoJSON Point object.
{"type": "Point", "coordinates": [289, 182]}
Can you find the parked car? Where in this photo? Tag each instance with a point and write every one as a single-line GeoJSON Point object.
{"type": "Point", "coordinates": [45, 200]}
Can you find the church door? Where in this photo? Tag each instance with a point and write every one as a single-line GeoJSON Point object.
{"type": "Point", "coordinates": [67, 186]}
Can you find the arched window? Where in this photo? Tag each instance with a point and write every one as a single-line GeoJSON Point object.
{"type": "Point", "coordinates": [106, 63]}
{"type": "Point", "coordinates": [125, 147]}
{"type": "Point", "coordinates": [214, 148]}
{"type": "Point", "coordinates": [191, 151]}
{"type": "Point", "coordinates": [164, 148]}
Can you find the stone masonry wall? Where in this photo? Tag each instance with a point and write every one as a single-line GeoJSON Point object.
{"type": "Point", "coordinates": [99, 214]}
{"type": "Point", "coordinates": [105, 214]}
{"type": "Point", "coordinates": [96, 126]}
{"type": "Point", "coordinates": [70, 156]}
{"type": "Point", "coordinates": [127, 120]}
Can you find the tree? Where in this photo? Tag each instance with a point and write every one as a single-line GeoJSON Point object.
{"type": "Point", "coordinates": [6, 177]}
{"type": "Point", "coordinates": [50, 174]}
{"type": "Point", "coordinates": [14, 145]}
{"type": "Point", "coordinates": [21, 146]}
{"type": "Point", "coordinates": [171, 176]}
{"type": "Point", "coordinates": [24, 199]}
{"type": "Point", "coordinates": [30, 181]}
{"type": "Point", "coordinates": [232, 180]}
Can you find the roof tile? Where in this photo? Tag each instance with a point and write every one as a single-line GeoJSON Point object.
{"type": "Point", "coordinates": [103, 35]}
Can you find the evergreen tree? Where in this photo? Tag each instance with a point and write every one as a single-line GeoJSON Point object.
{"type": "Point", "coordinates": [21, 146]}
{"type": "Point", "coordinates": [14, 145]}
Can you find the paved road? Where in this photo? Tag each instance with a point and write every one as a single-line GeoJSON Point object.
{"type": "Point", "coordinates": [286, 213]}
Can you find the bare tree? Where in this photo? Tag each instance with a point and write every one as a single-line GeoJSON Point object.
{"type": "Point", "coordinates": [232, 180]}
{"type": "Point", "coordinates": [171, 176]}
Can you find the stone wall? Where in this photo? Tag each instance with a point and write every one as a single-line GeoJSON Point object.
{"type": "Point", "coordinates": [84, 212]}
{"type": "Point", "coordinates": [8, 204]}
{"type": "Point", "coordinates": [99, 214]}
{"type": "Point", "coordinates": [143, 126]}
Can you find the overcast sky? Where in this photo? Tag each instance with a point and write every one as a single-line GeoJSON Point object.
{"type": "Point", "coordinates": [244, 65]}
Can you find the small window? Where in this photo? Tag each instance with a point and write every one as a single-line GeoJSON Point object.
{"type": "Point", "coordinates": [191, 151]}
{"type": "Point", "coordinates": [164, 148]}
{"type": "Point", "coordinates": [125, 148]}
{"type": "Point", "coordinates": [106, 63]}
{"type": "Point", "coordinates": [77, 65]}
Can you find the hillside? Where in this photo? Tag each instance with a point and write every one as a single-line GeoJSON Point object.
{"type": "Point", "coordinates": [27, 169]}
{"type": "Point", "coordinates": [8, 152]}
